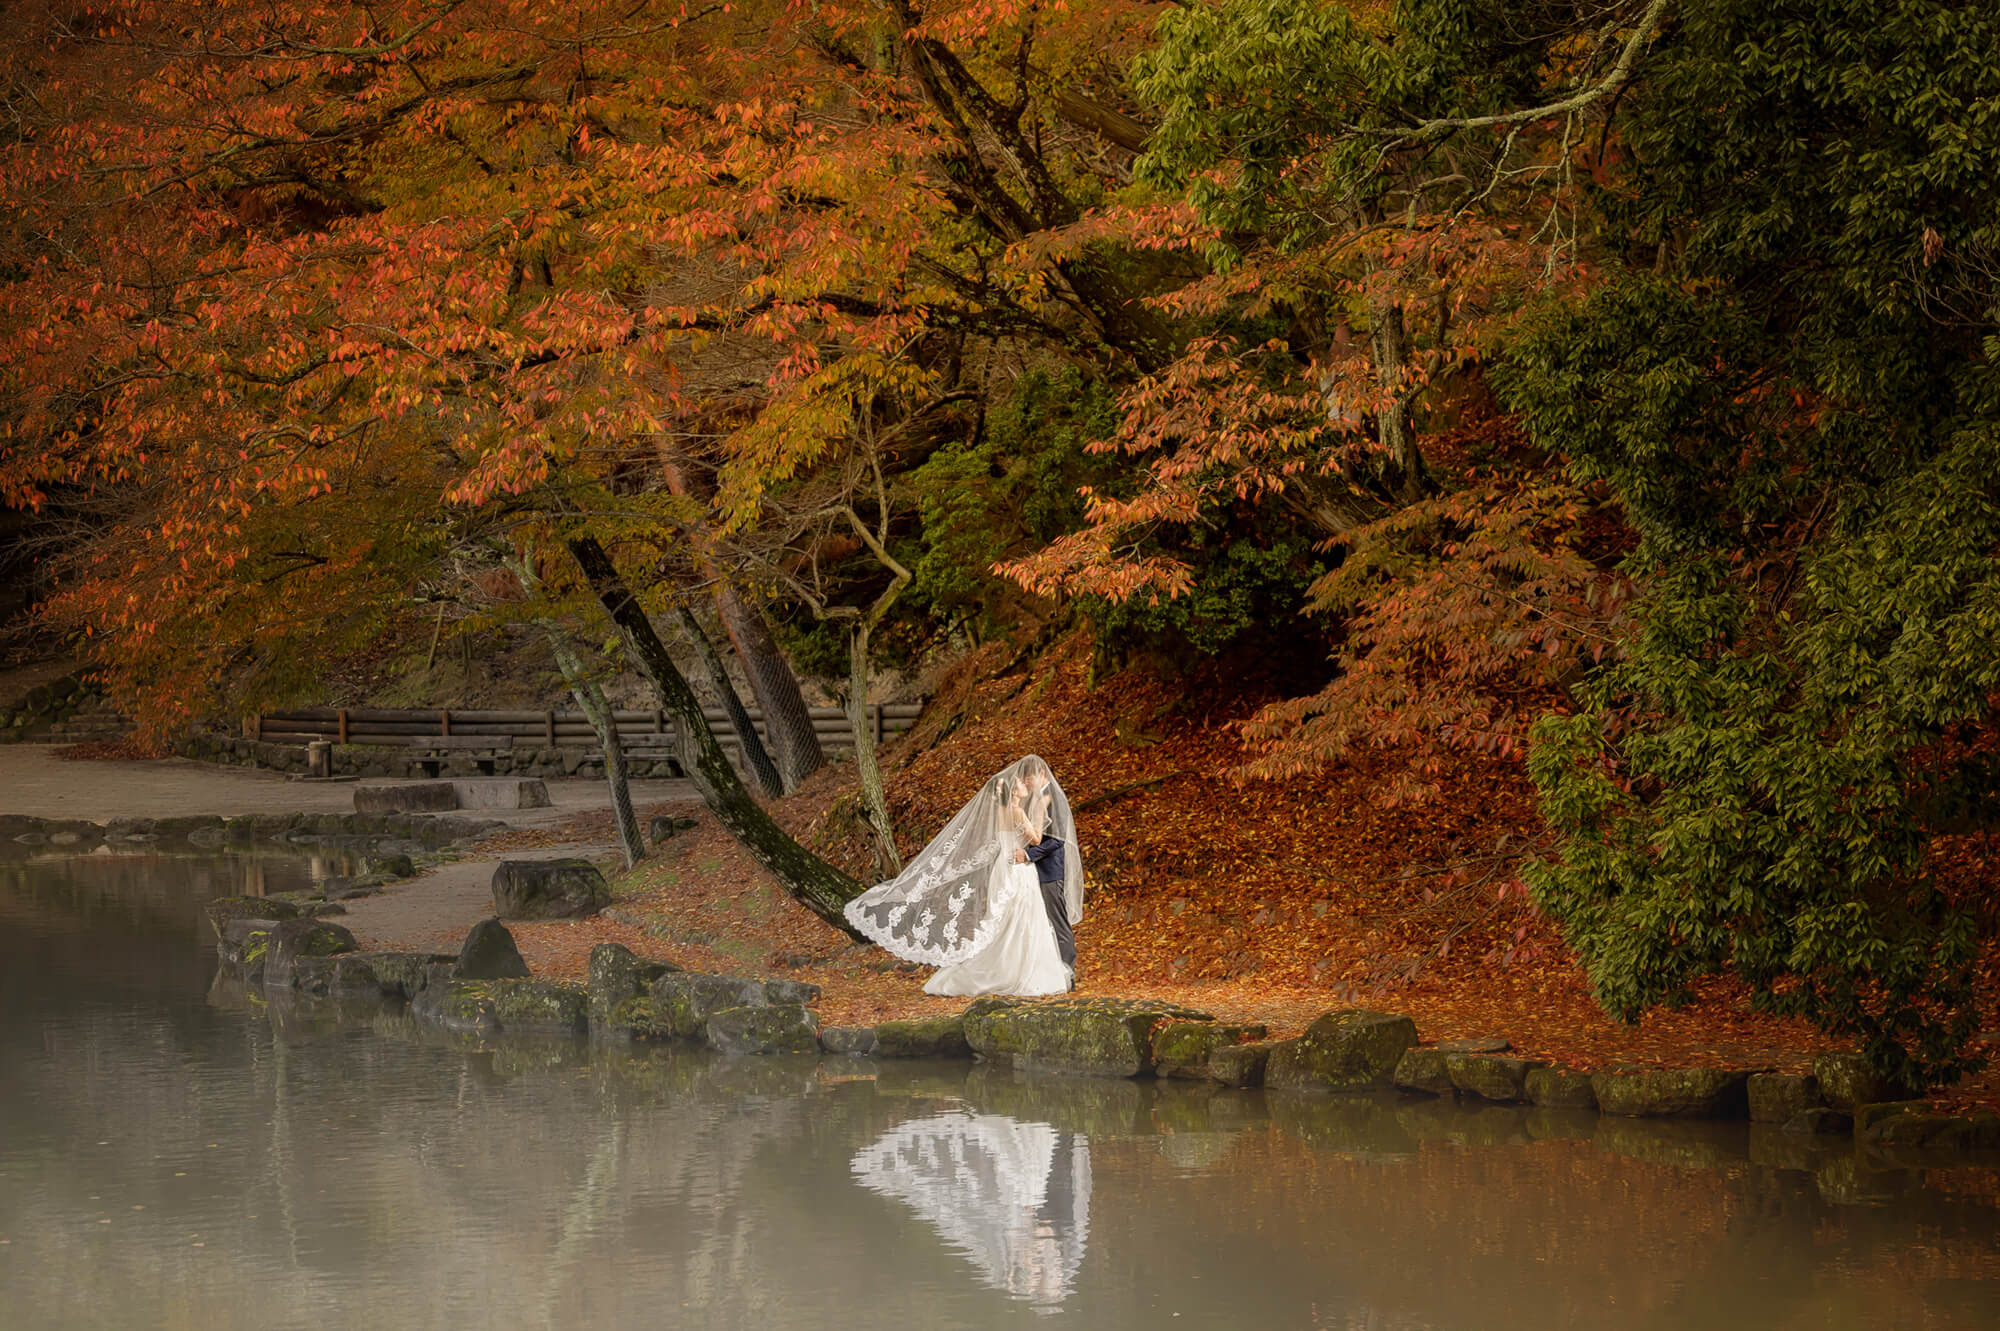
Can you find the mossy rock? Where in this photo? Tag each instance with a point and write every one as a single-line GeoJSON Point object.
{"type": "Point", "coordinates": [979, 1016]}
{"type": "Point", "coordinates": [922, 1037]}
{"type": "Point", "coordinates": [1778, 1097]}
{"type": "Point", "coordinates": [1560, 1088]}
{"type": "Point", "coordinates": [1240, 1065]}
{"type": "Point", "coordinates": [683, 1001]}
{"type": "Point", "coordinates": [1494, 1077]}
{"type": "Point", "coordinates": [460, 1006]}
{"type": "Point", "coordinates": [787, 1028]}
{"type": "Point", "coordinates": [292, 940]}
{"type": "Point", "coordinates": [1846, 1080]}
{"type": "Point", "coordinates": [858, 1041]}
{"type": "Point", "coordinates": [224, 909]}
{"type": "Point", "coordinates": [1352, 1050]}
{"type": "Point", "coordinates": [1094, 1037]}
{"type": "Point", "coordinates": [1672, 1092]}
{"type": "Point", "coordinates": [1183, 1048]}
{"type": "Point", "coordinates": [616, 976]}
{"type": "Point", "coordinates": [633, 1019]}
{"type": "Point", "coordinates": [540, 1007]}
{"type": "Point", "coordinates": [1422, 1069]}
{"type": "Point", "coordinates": [239, 937]}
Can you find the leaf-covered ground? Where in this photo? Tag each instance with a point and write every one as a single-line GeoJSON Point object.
{"type": "Point", "coordinates": [1264, 902]}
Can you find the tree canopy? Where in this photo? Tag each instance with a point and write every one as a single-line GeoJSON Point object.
{"type": "Point", "coordinates": [1604, 386]}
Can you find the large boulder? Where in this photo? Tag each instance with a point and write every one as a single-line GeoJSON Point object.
{"type": "Point", "coordinates": [683, 1001]}
{"type": "Point", "coordinates": [291, 940]}
{"type": "Point", "coordinates": [224, 909]}
{"type": "Point", "coordinates": [1096, 1037]}
{"type": "Point", "coordinates": [1183, 1048]}
{"type": "Point", "coordinates": [856, 1040]}
{"type": "Point", "coordinates": [397, 974]}
{"type": "Point", "coordinates": [1422, 1068]}
{"type": "Point", "coordinates": [548, 890]}
{"type": "Point", "coordinates": [790, 991]}
{"type": "Point", "coordinates": [1559, 1088]}
{"type": "Point", "coordinates": [1239, 1065]}
{"type": "Point", "coordinates": [1672, 1092]}
{"type": "Point", "coordinates": [922, 1037]}
{"type": "Point", "coordinates": [1846, 1080]}
{"type": "Point", "coordinates": [617, 976]}
{"type": "Point", "coordinates": [489, 953]}
{"type": "Point", "coordinates": [464, 1006]}
{"type": "Point", "coordinates": [539, 1007]}
{"type": "Point", "coordinates": [1493, 1077]}
{"type": "Point", "coordinates": [1778, 1097]}
{"type": "Point", "coordinates": [1353, 1050]}
{"type": "Point", "coordinates": [787, 1028]}
{"type": "Point", "coordinates": [243, 945]}
{"type": "Point", "coordinates": [501, 793]}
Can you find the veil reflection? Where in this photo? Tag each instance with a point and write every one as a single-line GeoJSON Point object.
{"type": "Point", "coordinates": [1013, 1196]}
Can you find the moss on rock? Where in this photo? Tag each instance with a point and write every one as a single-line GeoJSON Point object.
{"type": "Point", "coordinates": [1672, 1092]}
{"type": "Point", "coordinates": [1097, 1037]}
{"type": "Point", "coordinates": [1352, 1050]}
{"type": "Point", "coordinates": [922, 1037]}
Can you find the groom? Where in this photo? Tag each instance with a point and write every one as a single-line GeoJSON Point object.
{"type": "Point", "coordinates": [1047, 857]}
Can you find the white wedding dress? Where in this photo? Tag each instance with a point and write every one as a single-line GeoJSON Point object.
{"type": "Point", "coordinates": [1021, 959]}
{"type": "Point", "coordinates": [965, 906]}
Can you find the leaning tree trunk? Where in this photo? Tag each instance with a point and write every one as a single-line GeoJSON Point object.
{"type": "Point", "coordinates": [887, 859]}
{"type": "Point", "coordinates": [591, 699]}
{"type": "Point", "coordinates": [1394, 427]}
{"type": "Point", "coordinates": [787, 719]}
{"type": "Point", "coordinates": [755, 755]}
{"type": "Point", "coordinates": [817, 885]}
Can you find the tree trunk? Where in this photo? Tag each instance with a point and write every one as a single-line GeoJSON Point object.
{"type": "Point", "coordinates": [819, 886]}
{"type": "Point", "coordinates": [1393, 426]}
{"type": "Point", "coordinates": [591, 699]}
{"type": "Point", "coordinates": [755, 755]}
{"type": "Point", "coordinates": [888, 861]}
{"type": "Point", "coordinates": [787, 719]}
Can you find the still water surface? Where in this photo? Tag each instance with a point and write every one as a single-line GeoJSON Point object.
{"type": "Point", "coordinates": [179, 1154]}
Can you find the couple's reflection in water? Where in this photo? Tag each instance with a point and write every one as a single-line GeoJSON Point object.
{"type": "Point", "coordinates": [1013, 1196]}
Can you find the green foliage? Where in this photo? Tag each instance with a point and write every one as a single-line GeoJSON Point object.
{"type": "Point", "coordinates": [1251, 572]}
{"type": "Point", "coordinates": [1746, 796]}
{"type": "Point", "coordinates": [1011, 487]}
{"type": "Point", "coordinates": [1792, 392]}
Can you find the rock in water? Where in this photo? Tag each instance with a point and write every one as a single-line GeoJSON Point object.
{"type": "Point", "coordinates": [683, 1002]}
{"type": "Point", "coordinates": [1239, 1065]}
{"type": "Point", "coordinates": [1097, 1037]}
{"type": "Point", "coordinates": [1777, 1097]}
{"type": "Point", "coordinates": [539, 1007]}
{"type": "Point", "coordinates": [548, 890]}
{"type": "Point", "coordinates": [1352, 1050]}
{"type": "Point", "coordinates": [619, 976]}
{"type": "Point", "coordinates": [922, 1037]}
{"type": "Point", "coordinates": [1846, 1080]}
{"type": "Point", "coordinates": [224, 909]}
{"type": "Point", "coordinates": [857, 1040]}
{"type": "Point", "coordinates": [1560, 1088]}
{"type": "Point", "coordinates": [1492, 1076]}
{"type": "Point", "coordinates": [784, 1029]}
{"type": "Point", "coordinates": [1672, 1092]}
{"type": "Point", "coordinates": [292, 940]}
{"type": "Point", "coordinates": [1182, 1048]}
{"type": "Point", "coordinates": [1422, 1068]}
{"type": "Point", "coordinates": [489, 954]}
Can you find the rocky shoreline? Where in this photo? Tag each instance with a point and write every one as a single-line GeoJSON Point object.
{"type": "Point", "coordinates": [485, 991]}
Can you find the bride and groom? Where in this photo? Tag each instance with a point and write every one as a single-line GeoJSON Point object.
{"type": "Point", "coordinates": [993, 899]}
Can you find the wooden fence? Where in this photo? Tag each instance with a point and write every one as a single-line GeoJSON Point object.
{"type": "Point", "coordinates": [653, 732]}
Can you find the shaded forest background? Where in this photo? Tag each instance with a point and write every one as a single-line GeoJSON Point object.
{"type": "Point", "coordinates": [1568, 430]}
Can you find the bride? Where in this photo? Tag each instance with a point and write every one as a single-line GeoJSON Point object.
{"type": "Point", "coordinates": [993, 898]}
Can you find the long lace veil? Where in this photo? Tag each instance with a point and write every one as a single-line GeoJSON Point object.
{"type": "Point", "coordinates": [945, 904]}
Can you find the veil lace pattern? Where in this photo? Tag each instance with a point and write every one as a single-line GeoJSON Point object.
{"type": "Point", "coordinates": [948, 902]}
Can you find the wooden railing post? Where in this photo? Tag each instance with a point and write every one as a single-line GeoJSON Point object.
{"type": "Point", "coordinates": [444, 722]}
{"type": "Point", "coordinates": [342, 720]}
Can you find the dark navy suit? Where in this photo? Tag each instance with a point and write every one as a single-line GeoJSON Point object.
{"type": "Point", "coordinates": [1047, 857]}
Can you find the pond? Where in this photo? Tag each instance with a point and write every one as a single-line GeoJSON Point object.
{"type": "Point", "coordinates": [177, 1153]}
